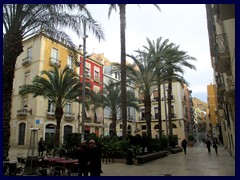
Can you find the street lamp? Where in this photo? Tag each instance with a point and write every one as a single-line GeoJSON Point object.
{"type": "Point", "coordinates": [84, 78]}
{"type": "Point", "coordinates": [165, 108]}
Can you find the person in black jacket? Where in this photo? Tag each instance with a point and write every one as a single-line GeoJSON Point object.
{"type": "Point", "coordinates": [184, 145]}
{"type": "Point", "coordinates": [208, 144]}
{"type": "Point", "coordinates": [94, 163]}
{"type": "Point", "coordinates": [215, 146]}
{"type": "Point", "coordinates": [83, 159]}
{"type": "Point", "coordinates": [41, 147]}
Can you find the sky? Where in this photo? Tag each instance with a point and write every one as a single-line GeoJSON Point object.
{"type": "Point", "coordinates": [183, 24]}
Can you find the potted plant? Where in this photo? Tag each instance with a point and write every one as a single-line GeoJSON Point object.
{"type": "Point", "coordinates": [190, 140]}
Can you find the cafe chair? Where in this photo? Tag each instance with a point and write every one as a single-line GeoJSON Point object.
{"type": "Point", "coordinates": [61, 171]}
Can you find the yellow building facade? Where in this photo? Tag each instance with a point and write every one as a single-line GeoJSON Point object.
{"type": "Point", "coordinates": [40, 53]}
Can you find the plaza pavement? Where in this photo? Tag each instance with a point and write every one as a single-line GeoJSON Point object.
{"type": "Point", "coordinates": [197, 162]}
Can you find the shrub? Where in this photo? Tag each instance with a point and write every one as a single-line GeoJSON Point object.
{"type": "Point", "coordinates": [173, 140]}
{"type": "Point", "coordinates": [190, 137]}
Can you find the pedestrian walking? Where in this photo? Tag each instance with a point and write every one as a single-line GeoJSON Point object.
{"type": "Point", "coordinates": [83, 159]}
{"type": "Point", "coordinates": [95, 166]}
{"type": "Point", "coordinates": [215, 146]}
{"type": "Point", "coordinates": [184, 145]}
{"type": "Point", "coordinates": [41, 147]}
{"type": "Point", "coordinates": [208, 144]}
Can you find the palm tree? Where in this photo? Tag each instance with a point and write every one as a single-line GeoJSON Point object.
{"type": "Point", "coordinates": [22, 20]}
{"type": "Point", "coordinates": [111, 97]}
{"type": "Point", "coordinates": [174, 61]}
{"type": "Point", "coordinates": [60, 87]}
{"type": "Point", "coordinates": [156, 51]}
{"type": "Point", "coordinates": [122, 9]}
{"type": "Point", "coordinates": [141, 73]}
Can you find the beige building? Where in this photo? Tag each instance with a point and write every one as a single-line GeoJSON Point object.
{"type": "Point", "coordinates": [178, 114]}
{"type": "Point", "coordinates": [221, 29]}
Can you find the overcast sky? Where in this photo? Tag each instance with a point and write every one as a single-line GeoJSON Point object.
{"type": "Point", "coordinates": [182, 24]}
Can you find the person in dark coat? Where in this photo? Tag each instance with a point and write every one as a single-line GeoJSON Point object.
{"type": "Point", "coordinates": [83, 159]}
{"type": "Point", "coordinates": [94, 163]}
{"type": "Point", "coordinates": [208, 144]}
{"type": "Point", "coordinates": [184, 145]}
{"type": "Point", "coordinates": [41, 147]}
{"type": "Point", "coordinates": [215, 146]}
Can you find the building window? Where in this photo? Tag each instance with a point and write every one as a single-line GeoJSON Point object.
{"type": "Point", "coordinates": [96, 74]}
{"type": "Point", "coordinates": [70, 62]}
{"type": "Point", "coordinates": [68, 108]}
{"type": "Point", "coordinates": [155, 95]}
{"type": "Point", "coordinates": [156, 112]}
{"type": "Point", "coordinates": [173, 113]}
{"type": "Point", "coordinates": [24, 104]}
{"type": "Point", "coordinates": [142, 114]}
{"type": "Point", "coordinates": [88, 70]}
{"type": "Point", "coordinates": [54, 56]}
{"type": "Point", "coordinates": [29, 53]}
{"type": "Point", "coordinates": [51, 107]}
{"type": "Point", "coordinates": [144, 127]}
{"type": "Point", "coordinates": [27, 78]}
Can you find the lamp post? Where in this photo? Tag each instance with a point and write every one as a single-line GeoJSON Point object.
{"type": "Point", "coordinates": [165, 108]}
{"type": "Point", "coordinates": [84, 78]}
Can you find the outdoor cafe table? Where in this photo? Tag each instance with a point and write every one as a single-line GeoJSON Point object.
{"type": "Point", "coordinates": [51, 161]}
{"type": "Point", "coordinates": [66, 163]}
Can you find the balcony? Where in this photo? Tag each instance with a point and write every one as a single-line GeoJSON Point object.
{"type": "Point", "coordinates": [22, 114]}
{"type": "Point", "coordinates": [26, 61]}
{"type": "Point", "coordinates": [223, 56]}
{"type": "Point", "coordinates": [54, 61]}
{"type": "Point", "coordinates": [50, 115]}
{"type": "Point", "coordinates": [69, 116]}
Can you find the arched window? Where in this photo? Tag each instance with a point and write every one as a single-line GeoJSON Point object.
{"type": "Point", "coordinates": [21, 135]}
{"type": "Point", "coordinates": [67, 130]}
{"type": "Point", "coordinates": [174, 126]}
{"type": "Point", "coordinates": [156, 127]}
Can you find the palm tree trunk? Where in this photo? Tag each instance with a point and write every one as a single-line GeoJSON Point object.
{"type": "Point", "coordinates": [12, 48]}
{"type": "Point", "coordinates": [159, 111]}
{"type": "Point", "coordinates": [122, 8]}
{"type": "Point", "coordinates": [170, 107]}
{"type": "Point", "coordinates": [58, 116]}
{"type": "Point", "coordinates": [147, 105]}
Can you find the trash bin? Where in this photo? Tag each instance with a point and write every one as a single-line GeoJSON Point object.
{"type": "Point", "coordinates": [129, 158]}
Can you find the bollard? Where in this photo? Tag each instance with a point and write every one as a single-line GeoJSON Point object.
{"type": "Point", "coordinates": [129, 158]}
